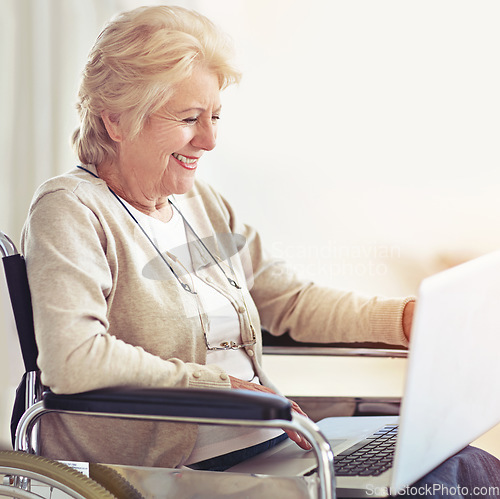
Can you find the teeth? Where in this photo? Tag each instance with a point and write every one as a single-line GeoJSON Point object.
{"type": "Point", "coordinates": [182, 158]}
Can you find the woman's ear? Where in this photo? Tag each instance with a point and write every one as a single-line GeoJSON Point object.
{"type": "Point", "coordinates": [112, 123]}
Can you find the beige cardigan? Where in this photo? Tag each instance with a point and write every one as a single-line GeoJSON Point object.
{"type": "Point", "coordinates": [108, 312]}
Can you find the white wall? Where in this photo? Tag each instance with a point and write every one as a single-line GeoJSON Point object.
{"type": "Point", "coordinates": [364, 128]}
{"type": "Point", "coordinates": [362, 141]}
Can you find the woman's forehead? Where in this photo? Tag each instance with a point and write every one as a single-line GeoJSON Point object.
{"type": "Point", "coordinates": [200, 92]}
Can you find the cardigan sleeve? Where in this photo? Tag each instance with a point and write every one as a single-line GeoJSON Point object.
{"type": "Point", "coordinates": [308, 312]}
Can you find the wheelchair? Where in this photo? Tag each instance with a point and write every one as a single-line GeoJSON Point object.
{"type": "Point", "coordinates": [25, 473]}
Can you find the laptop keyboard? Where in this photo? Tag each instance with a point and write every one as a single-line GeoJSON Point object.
{"type": "Point", "coordinates": [369, 457]}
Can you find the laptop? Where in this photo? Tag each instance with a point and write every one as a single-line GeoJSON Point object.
{"type": "Point", "coordinates": [449, 399]}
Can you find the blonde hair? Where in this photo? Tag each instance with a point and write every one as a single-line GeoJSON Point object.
{"type": "Point", "coordinates": [134, 65]}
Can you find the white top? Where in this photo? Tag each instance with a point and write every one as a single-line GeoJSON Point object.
{"type": "Point", "coordinates": [223, 325]}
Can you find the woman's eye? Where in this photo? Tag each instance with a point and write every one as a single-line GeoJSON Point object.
{"type": "Point", "coordinates": [194, 120]}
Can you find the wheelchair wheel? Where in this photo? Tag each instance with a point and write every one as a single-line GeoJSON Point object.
{"type": "Point", "coordinates": [114, 482]}
{"type": "Point", "coordinates": [47, 477]}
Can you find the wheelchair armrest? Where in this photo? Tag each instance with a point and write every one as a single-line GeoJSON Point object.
{"type": "Point", "coordinates": [161, 404]}
{"type": "Point", "coordinates": [189, 403]}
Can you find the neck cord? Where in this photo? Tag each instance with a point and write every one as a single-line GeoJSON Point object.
{"type": "Point", "coordinates": [231, 281]}
{"type": "Point", "coordinates": [184, 285]}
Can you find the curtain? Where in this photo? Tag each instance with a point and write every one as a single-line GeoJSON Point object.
{"type": "Point", "coordinates": [44, 48]}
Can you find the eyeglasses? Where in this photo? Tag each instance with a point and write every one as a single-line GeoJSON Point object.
{"type": "Point", "coordinates": [205, 325]}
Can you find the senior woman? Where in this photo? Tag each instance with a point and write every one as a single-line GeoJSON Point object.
{"type": "Point", "coordinates": [143, 276]}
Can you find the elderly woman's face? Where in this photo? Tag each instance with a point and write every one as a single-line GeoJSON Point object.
{"type": "Point", "coordinates": [163, 159]}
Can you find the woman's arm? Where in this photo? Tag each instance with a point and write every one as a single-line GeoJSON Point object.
{"type": "Point", "coordinates": [308, 312]}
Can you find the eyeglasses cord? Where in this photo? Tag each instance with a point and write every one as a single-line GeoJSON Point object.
{"type": "Point", "coordinates": [184, 285]}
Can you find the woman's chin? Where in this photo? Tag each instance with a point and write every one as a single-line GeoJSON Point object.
{"type": "Point", "coordinates": [185, 185]}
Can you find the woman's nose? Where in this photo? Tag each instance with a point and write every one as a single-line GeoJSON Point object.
{"type": "Point", "coordinates": [205, 137]}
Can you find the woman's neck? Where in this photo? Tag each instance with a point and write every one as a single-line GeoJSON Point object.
{"type": "Point", "coordinates": [154, 206]}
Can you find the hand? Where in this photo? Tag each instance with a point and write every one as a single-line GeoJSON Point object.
{"type": "Point", "coordinates": [408, 318]}
{"type": "Point", "coordinates": [239, 384]}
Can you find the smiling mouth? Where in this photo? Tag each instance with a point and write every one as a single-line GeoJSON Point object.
{"type": "Point", "coordinates": [185, 161]}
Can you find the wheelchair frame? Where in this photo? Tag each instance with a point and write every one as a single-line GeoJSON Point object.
{"type": "Point", "coordinates": [219, 407]}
